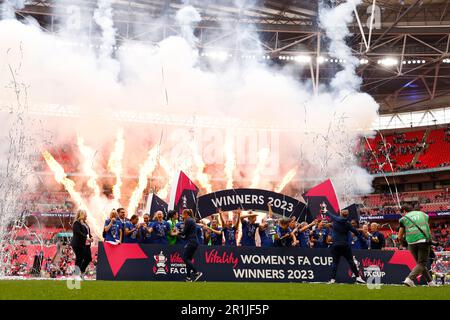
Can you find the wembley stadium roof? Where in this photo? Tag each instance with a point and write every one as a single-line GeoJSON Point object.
{"type": "Point", "coordinates": [404, 52]}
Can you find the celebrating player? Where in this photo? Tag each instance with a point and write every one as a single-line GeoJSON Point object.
{"type": "Point", "coordinates": [131, 230]}
{"type": "Point", "coordinates": [249, 229]}
{"type": "Point", "coordinates": [284, 237]}
{"type": "Point", "coordinates": [112, 231]}
{"type": "Point", "coordinates": [145, 230]}
{"type": "Point", "coordinates": [319, 235]}
{"type": "Point", "coordinates": [213, 233]}
{"type": "Point", "coordinates": [341, 247]}
{"type": "Point", "coordinates": [230, 230]}
{"type": "Point", "coordinates": [160, 229]}
{"type": "Point", "coordinates": [189, 233]}
{"type": "Point", "coordinates": [302, 233]}
{"type": "Point", "coordinates": [267, 231]}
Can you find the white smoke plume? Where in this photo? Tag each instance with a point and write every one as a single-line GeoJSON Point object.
{"type": "Point", "coordinates": [170, 82]}
{"type": "Point", "coordinates": [8, 6]}
{"type": "Point", "coordinates": [103, 16]}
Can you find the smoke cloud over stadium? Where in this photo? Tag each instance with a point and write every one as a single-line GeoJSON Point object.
{"type": "Point", "coordinates": [195, 111]}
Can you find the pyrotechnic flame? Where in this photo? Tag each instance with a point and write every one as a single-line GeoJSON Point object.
{"type": "Point", "coordinates": [165, 165]}
{"type": "Point", "coordinates": [88, 168]}
{"type": "Point", "coordinates": [163, 193]}
{"type": "Point", "coordinates": [286, 180]}
{"type": "Point", "coordinates": [145, 171]}
{"type": "Point", "coordinates": [201, 177]}
{"type": "Point", "coordinates": [61, 177]}
{"type": "Point", "coordinates": [263, 155]}
{"type": "Point", "coordinates": [69, 185]}
{"type": "Point", "coordinates": [115, 166]}
{"type": "Point", "coordinates": [230, 161]}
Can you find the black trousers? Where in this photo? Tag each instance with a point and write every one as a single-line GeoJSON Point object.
{"type": "Point", "coordinates": [421, 253]}
{"type": "Point", "coordinates": [188, 255]}
{"type": "Point", "coordinates": [82, 257]}
{"type": "Point", "coordinates": [342, 250]}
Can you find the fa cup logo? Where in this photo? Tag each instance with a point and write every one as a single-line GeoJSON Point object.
{"type": "Point", "coordinates": [323, 207]}
{"type": "Point", "coordinates": [184, 202]}
{"type": "Point", "coordinates": [160, 267]}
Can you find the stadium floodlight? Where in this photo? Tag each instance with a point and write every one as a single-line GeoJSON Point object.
{"type": "Point", "coordinates": [363, 61]}
{"type": "Point", "coordinates": [320, 60]}
{"type": "Point", "coordinates": [303, 59]}
{"type": "Point", "coordinates": [388, 62]}
{"type": "Point", "coordinates": [218, 55]}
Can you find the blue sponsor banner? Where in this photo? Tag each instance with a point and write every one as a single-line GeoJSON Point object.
{"type": "Point", "coordinates": [439, 214]}
{"type": "Point", "coordinates": [148, 262]}
{"type": "Point", "coordinates": [434, 214]}
{"type": "Point", "coordinates": [381, 217]}
{"type": "Point", "coordinates": [54, 214]}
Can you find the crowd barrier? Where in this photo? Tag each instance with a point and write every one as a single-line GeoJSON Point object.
{"type": "Point", "coordinates": [149, 262]}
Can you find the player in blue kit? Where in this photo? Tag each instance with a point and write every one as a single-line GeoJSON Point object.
{"type": "Point", "coordinates": [319, 236]}
{"type": "Point", "coordinates": [249, 229]}
{"type": "Point", "coordinates": [357, 241]}
{"type": "Point", "coordinates": [284, 237]}
{"type": "Point", "coordinates": [190, 234]}
{"type": "Point", "coordinates": [341, 248]}
{"type": "Point", "coordinates": [267, 232]}
{"type": "Point", "coordinates": [160, 229]}
{"type": "Point", "coordinates": [112, 231]}
{"type": "Point", "coordinates": [230, 230]}
{"type": "Point", "coordinates": [302, 233]}
{"type": "Point", "coordinates": [199, 232]}
{"type": "Point", "coordinates": [179, 227]}
{"type": "Point", "coordinates": [213, 233]}
{"type": "Point", "coordinates": [145, 230]}
{"type": "Point", "coordinates": [122, 215]}
{"type": "Point", "coordinates": [132, 230]}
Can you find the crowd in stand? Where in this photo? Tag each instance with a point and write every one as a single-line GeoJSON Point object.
{"type": "Point", "coordinates": [447, 133]}
{"type": "Point", "coordinates": [388, 153]}
{"type": "Point", "coordinates": [379, 158]}
{"type": "Point", "coordinates": [441, 234]}
{"type": "Point", "coordinates": [54, 263]}
{"type": "Point", "coordinates": [65, 265]}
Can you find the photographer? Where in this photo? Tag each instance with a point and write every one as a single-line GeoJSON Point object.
{"type": "Point", "coordinates": [414, 227]}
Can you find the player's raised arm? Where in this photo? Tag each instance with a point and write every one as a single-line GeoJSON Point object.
{"type": "Point", "coordinates": [303, 229]}
{"type": "Point", "coordinates": [239, 217]}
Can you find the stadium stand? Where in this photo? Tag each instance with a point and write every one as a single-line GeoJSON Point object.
{"type": "Point", "coordinates": [412, 150]}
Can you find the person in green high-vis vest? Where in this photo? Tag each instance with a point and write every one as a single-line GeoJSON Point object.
{"type": "Point", "coordinates": [415, 228]}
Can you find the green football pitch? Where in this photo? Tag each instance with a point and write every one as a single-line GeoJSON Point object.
{"type": "Point", "coordinates": [99, 290]}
